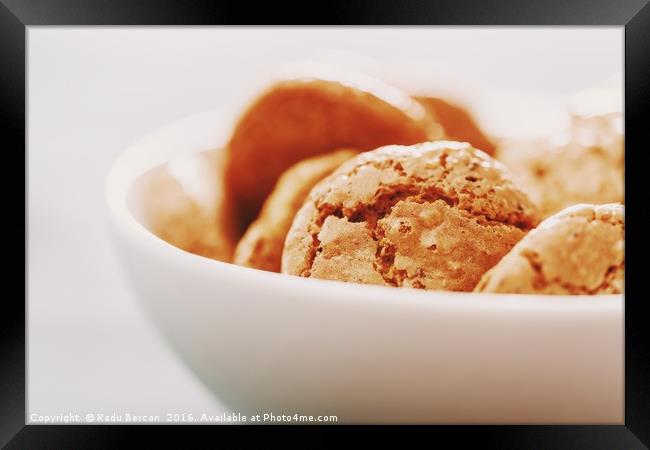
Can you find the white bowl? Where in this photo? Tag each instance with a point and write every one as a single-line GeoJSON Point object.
{"type": "Point", "coordinates": [266, 342]}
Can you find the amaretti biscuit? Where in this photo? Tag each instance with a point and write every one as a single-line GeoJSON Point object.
{"type": "Point", "coordinates": [577, 251]}
{"type": "Point", "coordinates": [185, 203]}
{"type": "Point", "coordinates": [435, 215]}
{"type": "Point", "coordinates": [457, 123]}
{"type": "Point", "coordinates": [585, 166]}
{"type": "Point", "coordinates": [261, 246]}
{"type": "Point", "coordinates": [298, 118]}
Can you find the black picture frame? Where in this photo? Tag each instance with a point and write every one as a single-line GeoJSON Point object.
{"type": "Point", "coordinates": [634, 15]}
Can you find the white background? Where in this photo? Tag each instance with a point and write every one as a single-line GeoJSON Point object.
{"type": "Point", "coordinates": [92, 91]}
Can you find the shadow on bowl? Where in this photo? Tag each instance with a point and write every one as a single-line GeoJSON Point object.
{"type": "Point", "coordinates": [270, 343]}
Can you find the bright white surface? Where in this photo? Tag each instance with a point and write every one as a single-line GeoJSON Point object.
{"type": "Point", "coordinates": [92, 91]}
{"type": "Point", "coordinates": [266, 342]}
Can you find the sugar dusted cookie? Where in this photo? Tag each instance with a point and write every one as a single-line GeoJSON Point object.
{"type": "Point", "coordinates": [435, 215]}
{"type": "Point", "coordinates": [577, 251]}
{"type": "Point", "coordinates": [298, 118]}
{"type": "Point", "coordinates": [261, 246]}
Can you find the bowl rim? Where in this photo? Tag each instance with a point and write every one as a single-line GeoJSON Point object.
{"type": "Point", "coordinates": [161, 144]}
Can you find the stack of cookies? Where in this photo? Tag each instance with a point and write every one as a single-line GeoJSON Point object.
{"type": "Point", "coordinates": [353, 180]}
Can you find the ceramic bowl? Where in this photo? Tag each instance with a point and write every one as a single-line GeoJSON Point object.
{"type": "Point", "coordinates": [272, 343]}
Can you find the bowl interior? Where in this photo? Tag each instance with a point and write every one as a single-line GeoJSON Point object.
{"type": "Point", "coordinates": [208, 131]}
{"type": "Point", "coordinates": [369, 353]}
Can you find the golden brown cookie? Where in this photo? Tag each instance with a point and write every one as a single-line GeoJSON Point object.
{"type": "Point", "coordinates": [185, 203]}
{"type": "Point", "coordinates": [298, 118]}
{"type": "Point", "coordinates": [457, 123]}
{"type": "Point", "coordinates": [586, 168]}
{"type": "Point", "coordinates": [435, 215]}
{"type": "Point", "coordinates": [577, 251]}
{"type": "Point", "coordinates": [261, 246]}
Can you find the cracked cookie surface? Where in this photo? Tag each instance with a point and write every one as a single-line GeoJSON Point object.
{"type": "Point", "coordinates": [579, 250]}
{"type": "Point", "coordinates": [586, 166]}
{"type": "Point", "coordinates": [435, 215]}
{"type": "Point", "coordinates": [306, 116]}
{"type": "Point", "coordinates": [261, 246]}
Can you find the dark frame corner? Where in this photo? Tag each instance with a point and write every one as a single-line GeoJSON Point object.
{"type": "Point", "coordinates": [634, 15]}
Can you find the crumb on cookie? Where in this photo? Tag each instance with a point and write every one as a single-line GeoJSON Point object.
{"type": "Point", "coordinates": [261, 246]}
{"type": "Point", "coordinates": [577, 251]}
{"type": "Point", "coordinates": [435, 215]}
